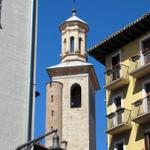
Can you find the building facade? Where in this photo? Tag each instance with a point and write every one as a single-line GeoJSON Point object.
{"type": "Point", "coordinates": [70, 100]}
{"type": "Point", "coordinates": [17, 57]}
{"type": "Point", "coordinates": [126, 56]}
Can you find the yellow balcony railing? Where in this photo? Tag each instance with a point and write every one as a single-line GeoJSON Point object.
{"type": "Point", "coordinates": [119, 73]}
{"type": "Point", "coordinates": [141, 110]}
{"type": "Point", "coordinates": [119, 121]}
{"type": "Point", "coordinates": [140, 63]}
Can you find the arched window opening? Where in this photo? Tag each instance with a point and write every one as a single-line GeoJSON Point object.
{"type": "Point", "coordinates": [52, 98]}
{"type": "Point", "coordinates": [75, 96]}
{"type": "Point", "coordinates": [65, 41]}
{"type": "Point", "coordinates": [72, 44]}
{"type": "Point", "coordinates": [80, 42]}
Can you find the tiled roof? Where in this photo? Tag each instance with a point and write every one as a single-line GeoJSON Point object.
{"type": "Point", "coordinates": [120, 38]}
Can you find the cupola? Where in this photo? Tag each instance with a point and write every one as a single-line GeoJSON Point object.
{"type": "Point", "coordinates": [73, 34]}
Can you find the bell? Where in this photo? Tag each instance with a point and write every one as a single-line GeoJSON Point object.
{"type": "Point", "coordinates": [56, 145]}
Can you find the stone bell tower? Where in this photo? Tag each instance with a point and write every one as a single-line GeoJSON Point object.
{"type": "Point", "coordinates": [70, 96]}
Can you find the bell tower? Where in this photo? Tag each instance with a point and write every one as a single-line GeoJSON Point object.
{"type": "Point", "coordinates": [70, 96]}
{"type": "Point", "coordinates": [73, 32]}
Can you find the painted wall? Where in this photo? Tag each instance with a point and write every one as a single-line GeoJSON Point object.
{"type": "Point", "coordinates": [131, 93]}
{"type": "Point", "coordinates": [15, 51]}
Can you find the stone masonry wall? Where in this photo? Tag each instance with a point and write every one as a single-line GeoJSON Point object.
{"type": "Point", "coordinates": [53, 109]}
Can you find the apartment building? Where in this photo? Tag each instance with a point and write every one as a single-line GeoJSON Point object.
{"type": "Point", "coordinates": [126, 57]}
{"type": "Point", "coordinates": [17, 77]}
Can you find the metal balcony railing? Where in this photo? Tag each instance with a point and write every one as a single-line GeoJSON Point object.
{"type": "Point", "coordinates": [140, 107]}
{"type": "Point", "coordinates": [139, 60]}
{"type": "Point", "coordinates": [118, 71]}
{"type": "Point", "coordinates": [118, 117]}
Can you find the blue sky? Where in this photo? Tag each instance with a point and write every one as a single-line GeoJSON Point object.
{"type": "Point", "coordinates": [104, 18]}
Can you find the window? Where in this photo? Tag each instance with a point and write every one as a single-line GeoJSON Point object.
{"type": "Point", "coordinates": [117, 105]}
{"type": "Point", "coordinates": [52, 113]}
{"type": "Point", "coordinates": [75, 96]}
{"type": "Point", "coordinates": [65, 41]}
{"type": "Point", "coordinates": [147, 140]}
{"type": "Point", "coordinates": [117, 101]}
{"type": "Point", "coordinates": [147, 90]}
{"type": "Point", "coordinates": [146, 43]}
{"type": "Point", "coordinates": [115, 60]}
{"type": "Point", "coordinates": [119, 145]}
{"type": "Point", "coordinates": [0, 13]}
{"type": "Point", "coordinates": [52, 98]}
{"type": "Point", "coordinates": [80, 42]}
{"type": "Point", "coordinates": [115, 66]}
{"type": "Point", "coordinates": [145, 46]}
{"type": "Point", "coordinates": [72, 44]}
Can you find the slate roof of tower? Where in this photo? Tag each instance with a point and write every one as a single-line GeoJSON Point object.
{"type": "Point", "coordinates": [75, 18]}
{"type": "Point", "coordinates": [70, 64]}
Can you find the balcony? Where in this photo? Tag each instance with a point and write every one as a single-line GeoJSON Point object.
{"type": "Point", "coordinates": [119, 121]}
{"type": "Point", "coordinates": [141, 110]}
{"type": "Point", "coordinates": [140, 64]}
{"type": "Point", "coordinates": [116, 77]}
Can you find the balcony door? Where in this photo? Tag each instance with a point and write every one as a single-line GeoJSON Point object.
{"type": "Point", "coordinates": [117, 104]}
{"type": "Point", "coordinates": [145, 45]}
{"type": "Point", "coordinates": [147, 141]}
{"type": "Point", "coordinates": [115, 61]}
{"type": "Point", "coordinates": [120, 145]}
{"type": "Point", "coordinates": [147, 90]}
{"type": "Point", "coordinates": [146, 96]}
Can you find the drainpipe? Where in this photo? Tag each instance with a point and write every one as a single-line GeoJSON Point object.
{"type": "Point", "coordinates": [32, 71]}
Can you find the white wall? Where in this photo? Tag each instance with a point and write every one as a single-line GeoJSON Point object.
{"type": "Point", "coordinates": [15, 44]}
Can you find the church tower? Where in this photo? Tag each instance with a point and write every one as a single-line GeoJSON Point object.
{"type": "Point", "coordinates": [70, 96]}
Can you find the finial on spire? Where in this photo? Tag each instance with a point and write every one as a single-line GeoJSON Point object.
{"type": "Point", "coordinates": [74, 10]}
